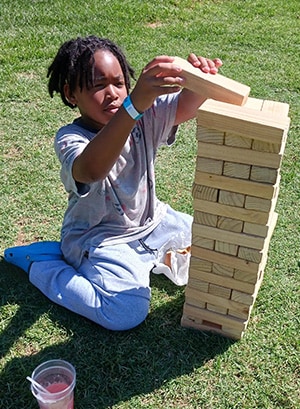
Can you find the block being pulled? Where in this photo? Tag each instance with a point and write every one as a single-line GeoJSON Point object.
{"type": "Point", "coordinates": [214, 86]}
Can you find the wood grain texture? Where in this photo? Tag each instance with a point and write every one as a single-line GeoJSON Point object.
{"type": "Point", "coordinates": [214, 86]}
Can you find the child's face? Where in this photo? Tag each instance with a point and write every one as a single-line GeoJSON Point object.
{"type": "Point", "coordinates": [101, 101]}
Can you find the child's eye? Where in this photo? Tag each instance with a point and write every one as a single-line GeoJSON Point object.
{"type": "Point", "coordinates": [99, 85]}
{"type": "Point", "coordinates": [120, 81]}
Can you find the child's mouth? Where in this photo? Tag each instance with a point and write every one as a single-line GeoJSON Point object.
{"type": "Point", "coordinates": [112, 109]}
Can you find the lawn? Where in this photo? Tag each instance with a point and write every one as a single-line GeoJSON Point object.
{"type": "Point", "coordinates": [159, 364]}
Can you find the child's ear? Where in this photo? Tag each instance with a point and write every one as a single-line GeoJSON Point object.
{"type": "Point", "coordinates": [68, 95]}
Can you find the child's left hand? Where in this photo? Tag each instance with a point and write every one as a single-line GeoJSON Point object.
{"type": "Point", "coordinates": [205, 64]}
{"type": "Point", "coordinates": [189, 101]}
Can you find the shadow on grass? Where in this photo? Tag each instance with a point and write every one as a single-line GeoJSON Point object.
{"type": "Point", "coordinates": [111, 366]}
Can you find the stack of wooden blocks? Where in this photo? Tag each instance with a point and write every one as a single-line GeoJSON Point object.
{"type": "Point", "coordinates": [235, 190]}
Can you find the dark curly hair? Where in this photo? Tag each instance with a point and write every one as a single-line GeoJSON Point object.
{"type": "Point", "coordinates": [74, 62]}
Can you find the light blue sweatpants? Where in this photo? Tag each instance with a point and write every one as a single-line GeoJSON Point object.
{"type": "Point", "coordinates": [112, 285]}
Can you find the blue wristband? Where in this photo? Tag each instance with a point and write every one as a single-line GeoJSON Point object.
{"type": "Point", "coordinates": [130, 109]}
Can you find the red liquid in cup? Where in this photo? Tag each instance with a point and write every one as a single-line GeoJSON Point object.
{"type": "Point", "coordinates": [59, 387]}
{"type": "Point", "coordinates": [58, 377]}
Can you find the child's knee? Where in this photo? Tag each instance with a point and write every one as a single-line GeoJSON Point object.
{"type": "Point", "coordinates": [125, 310]}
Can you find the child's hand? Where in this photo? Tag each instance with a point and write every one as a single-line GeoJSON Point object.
{"type": "Point", "coordinates": [205, 64]}
{"type": "Point", "coordinates": [160, 76]}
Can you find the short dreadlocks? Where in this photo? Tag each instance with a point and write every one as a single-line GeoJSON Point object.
{"type": "Point", "coordinates": [74, 62]}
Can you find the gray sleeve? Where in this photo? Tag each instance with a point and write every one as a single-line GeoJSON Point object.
{"type": "Point", "coordinates": [159, 120]}
{"type": "Point", "coordinates": [68, 146]}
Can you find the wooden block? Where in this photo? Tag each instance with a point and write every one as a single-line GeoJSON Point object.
{"type": "Point", "coordinates": [200, 239]}
{"type": "Point", "coordinates": [215, 308]}
{"type": "Point", "coordinates": [276, 189]}
{"type": "Point", "coordinates": [236, 170]}
{"type": "Point", "coordinates": [255, 229]}
{"type": "Point", "coordinates": [226, 248]}
{"type": "Point", "coordinates": [264, 175]}
{"type": "Point", "coordinates": [205, 192]}
{"type": "Point", "coordinates": [225, 259]}
{"type": "Point", "coordinates": [199, 285]}
{"type": "Point", "coordinates": [246, 276]}
{"type": "Point", "coordinates": [273, 107]}
{"type": "Point", "coordinates": [260, 230]}
{"type": "Point", "coordinates": [194, 298]}
{"type": "Point", "coordinates": [238, 141]}
{"type": "Point", "coordinates": [254, 103]}
{"type": "Point", "coordinates": [258, 283]}
{"type": "Point", "coordinates": [193, 295]}
{"type": "Point", "coordinates": [227, 223]}
{"type": "Point", "coordinates": [272, 224]}
{"type": "Point", "coordinates": [231, 199]}
{"type": "Point", "coordinates": [198, 264]}
{"type": "Point", "coordinates": [214, 86]}
{"type": "Point", "coordinates": [246, 187]}
{"type": "Point", "coordinates": [204, 242]}
{"type": "Point", "coordinates": [239, 155]}
{"type": "Point", "coordinates": [211, 136]}
{"type": "Point", "coordinates": [243, 121]}
{"type": "Point", "coordinates": [214, 233]}
{"type": "Point", "coordinates": [276, 108]}
{"type": "Point", "coordinates": [205, 218]}
{"type": "Point", "coordinates": [243, 298]}
{"type": "Point", "coordinates": [232, 333]}
{"type": "Point", "coordinates": [221, 270]}
{"type": "Point", "coordinates": [227, 282]}
{"type": "Point", "coordinates": [209, 165]}
{"type": "Point", "coordinates": [266, 206]}
{"type": "Point", "coordinates": [250, 254]}
{"type": "Point", "coordinates": [238, 213]}
{"type": "Point", "coordinates": [189, 321]}
{"type": "Point", "coordinates": [219, 319]}
{"type": "Point", "coordinates": [262, 146]}
{"type": "Point", "coordinates": [252, 203]}
{"type": "Point", "coordinates": [219, 291]}
{"type": "Point", "coordinates": [238, 314]}
{"type": "Point", "coordinates": [257, 203]}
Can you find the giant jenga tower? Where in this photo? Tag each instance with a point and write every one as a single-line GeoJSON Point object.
{"type": "Point", "coordinates": [235, 190]}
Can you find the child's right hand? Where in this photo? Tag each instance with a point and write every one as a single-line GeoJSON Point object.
{"type": "Point", "coordinates": [160, 76]}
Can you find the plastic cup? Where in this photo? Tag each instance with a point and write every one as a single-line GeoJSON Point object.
{"type": "Point", "coordinates": [59, 378]}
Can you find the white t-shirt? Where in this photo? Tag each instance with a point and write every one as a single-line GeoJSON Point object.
{"type": "Point", "coordinates": [122, 207]}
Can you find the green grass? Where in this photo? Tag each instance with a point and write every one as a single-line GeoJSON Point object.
{"type": "Point", "coordinates": [159, 364]}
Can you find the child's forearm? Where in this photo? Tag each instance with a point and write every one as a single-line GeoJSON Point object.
{"type": "Point", "coordinates": [99, 156]}
{"type": "Point", "coordinates": [188, 104]}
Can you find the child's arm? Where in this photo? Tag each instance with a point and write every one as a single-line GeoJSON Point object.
{"type": "Point", "coordinates": [159, 77]}
{"type": "Point", "coordinates": [189, 102]}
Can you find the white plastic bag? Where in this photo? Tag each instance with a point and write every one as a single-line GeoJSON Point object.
{"type": "Point", "coordinates": [175, 266]}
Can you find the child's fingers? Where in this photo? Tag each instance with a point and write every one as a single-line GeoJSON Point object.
{"type": "Point", "coordinates": [162, 69]}
{"type": "Point", "coordinates": [193, 59]}
{"type": "Point", "coordinates": [218, 62]}
{"type": "Point", "coordinates": [165, 79]}
{"type": "Point", "coordinates": [163, 75]}
{"type": "Point", "coordinates": [168, 89]}
{"type": "Point", "coordinates": [168, 81]}
{"type": "Point", "coordinates": [159, 59]}
{"type": "Point", "coordinates": [205, 64]}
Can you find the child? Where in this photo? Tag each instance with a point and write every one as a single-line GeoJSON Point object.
{"type": "Point", "coordinates": [115, 231]}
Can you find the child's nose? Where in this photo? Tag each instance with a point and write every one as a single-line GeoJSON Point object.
{"type": "Point", "coordinates": [111, 90]}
